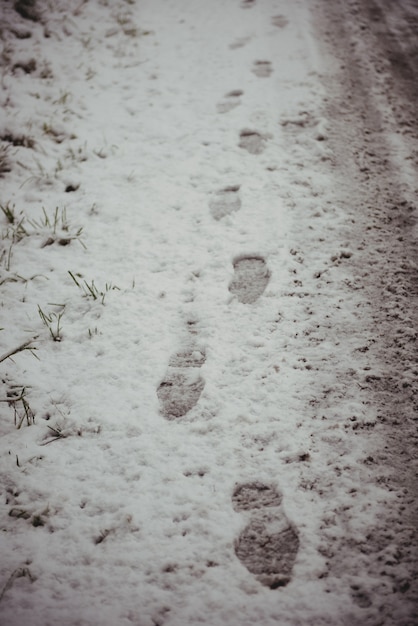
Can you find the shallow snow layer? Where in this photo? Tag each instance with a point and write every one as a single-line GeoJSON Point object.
{"type": "Point", "coordinates": [194, 335]}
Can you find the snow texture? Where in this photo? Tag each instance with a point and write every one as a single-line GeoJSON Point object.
{"type": "Point", "coordinates": [190, 419]}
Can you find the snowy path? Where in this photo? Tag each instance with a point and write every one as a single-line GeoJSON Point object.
{"type": "Point", "coordinates": [209, 440]}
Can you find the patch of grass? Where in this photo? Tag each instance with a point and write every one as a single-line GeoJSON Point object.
{"type": "Point", "coordinates": [58, 168]}
{"type": "Point", "coordinates": [16, 394]}
{"type": "Point", "coordinates": [58, 226]}
{"type": "Point", "coordinates": [21, 407]}
{"type": "Point", "coordinates": [131, 178]}
{"type": "Point", "coordinates": [6, 258]}
{"type": "Point", "coordinates": [36, 519]}
{"type": "Point", "coordinates": [57, 135]}
{"type": "Point", "coordinates": [78, 155]}
{"type": "Point", "coordinates": [41, 177]}
{"type": "Point", "coordinates": [102, 535]}
{"type": "Point", "coordinates": [53, 222]}
{"type": "Point", "coordinates": [9, 212]}
{"type": "Point", "coordinates": [67, 428]}
{"type": "Point", "coordinates": [90, 290]}
{"type": "Point", "coordinates": [25, 413]}
{"type": "Point", "coordinates": [100, 153]}
{"type": "Point", "coordinates": [86, 42]}
{"type": "Point", "coordinates": [53, 322]}
{"type": "Point", "coordinates": [15, 229]}
{"type": "Point", "coordinates": [5, 165]}
{"type": "Point", "coordinates": [130, 31]}
{"type": "Point", "coordinates": [46, 71]}
{"type": "Point", "coordinates": [27, 345]}
{"type": "Point", "coordinates": [16, 278]}
{"type": "Point", "coordinates": [19, 513]}
{"type": "Point", "coordinates": [57, 433]}
{"type": "Point", "coordinates": [90, 73]}
{"type": "Point", "coordinates": [20, 572]}
{"type": "Point", "coordinates": [18, 140]}
{"type": "Point", "coordinates": [26, 66]}
{"type": "Point", "coordinates": [64, 98]}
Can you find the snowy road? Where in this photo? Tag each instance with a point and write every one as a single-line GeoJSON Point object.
{"type": "Point", "coordinates": [221, 425]}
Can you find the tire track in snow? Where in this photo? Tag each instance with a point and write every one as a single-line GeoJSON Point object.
{"type": "Point", "coordinates": [370, 169]}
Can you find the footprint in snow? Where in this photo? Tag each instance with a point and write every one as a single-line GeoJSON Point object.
{"type": "Point", "coordinates": [182, 385]}
{"type": "Point", "coordinates": [268, 545]}
{"type": "Point", "coordinates": [230, 102]}
{"type": "Point", "coordinates": [239, 43]}
{"type": "Point", "coordinates": [280, 21]}
{"type": "Point", "coordinates": [262, 69]}
{"type": "Point", "coordinates": [252, 141]}
{"type": "Point", "coordinates": [251, 276]}
{"type": "Point", "coordinates": [247, 4]}
{"type": "Point", "coordinates": [224, 202]}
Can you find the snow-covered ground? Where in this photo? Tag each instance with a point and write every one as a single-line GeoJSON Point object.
{"type": "Point", "coordinates": [191, 427]}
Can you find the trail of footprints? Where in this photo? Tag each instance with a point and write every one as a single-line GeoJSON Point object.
{"type": "Point", "coordinates": [268, 544]}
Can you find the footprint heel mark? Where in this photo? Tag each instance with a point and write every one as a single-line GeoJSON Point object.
{"type": "Point", "coordinates": [231, 100]}
{"type": "Point", "coordinates": [235, 93]}
{"type": "Point", "coordinates": [280, 21]}
{"type": "Point", "coordinates": [182, 385]}
{"type": "Point", "coordinates": [262, 69]}
{"type": "Point", "coordinates": [250, 278]}
{"type": "Point", "coordinates": [225, 202]}
{"type": "Point", "coordinates": [268, 545]}
{"type": "Point", "coordinates": [252, 141]}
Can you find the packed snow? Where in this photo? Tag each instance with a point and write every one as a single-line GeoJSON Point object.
{"type": "Point", "coordinates": [187, 435]}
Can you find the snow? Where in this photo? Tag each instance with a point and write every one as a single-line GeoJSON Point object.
{"type": "Point", "coordinates": [114, 512]}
